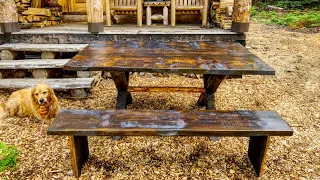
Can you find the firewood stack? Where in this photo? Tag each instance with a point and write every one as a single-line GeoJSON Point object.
{"type": "Point", "coordinates": [223, 12]}
{"type": "Point", "coordinates": [37, 17]}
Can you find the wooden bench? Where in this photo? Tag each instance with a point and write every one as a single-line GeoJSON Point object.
{"type": "Point", "coordinates": [78, 124]}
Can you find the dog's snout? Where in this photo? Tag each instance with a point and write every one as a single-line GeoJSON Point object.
{"type": "Point", "coordinates": [41, 100]}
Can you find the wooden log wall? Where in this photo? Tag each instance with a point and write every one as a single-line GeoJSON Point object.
{"type": "Point", "coordinates": [8, 16]}
{"type": "Point", "coordinates": [95, 15]}
{"type": "Point", "coordinates": [241, 15]}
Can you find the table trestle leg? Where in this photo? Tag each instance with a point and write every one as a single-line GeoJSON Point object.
{"type": "Point", "coordinates": [79, 150]}
{"type": "Point", "coordinates": [121, 80]}
{"type": "Point", "coordinates": [258, 146]}
{"type": "Point", "coordinates": [211, 84]}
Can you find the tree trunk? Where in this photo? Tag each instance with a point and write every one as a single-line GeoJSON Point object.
{"type": "Point", "coordinates": [241, 16]}
{"type": "Point", "coordinates": [8, 16]}
{"type": "Point", "coordinates": [95, 15]}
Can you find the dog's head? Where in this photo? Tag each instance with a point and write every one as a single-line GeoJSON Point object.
{"type": "Point", "coordinates": [42, 93]}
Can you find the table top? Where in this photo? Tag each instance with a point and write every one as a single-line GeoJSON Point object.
{"type": "Point", "coordinates": [219, 58]}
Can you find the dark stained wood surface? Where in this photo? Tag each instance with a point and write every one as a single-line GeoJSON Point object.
{"type": "Point", "coordinates": [168, 123]}
{"type": "Point", "coordinates": [220, 58]}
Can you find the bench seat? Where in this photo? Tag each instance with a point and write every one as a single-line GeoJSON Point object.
{"type": "Point", "coordinates": [78, 124]}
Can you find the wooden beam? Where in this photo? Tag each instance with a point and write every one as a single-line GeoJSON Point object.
{"type": "Point", "coordinates": [33, 63]}
{"type": "Point", "coordinates": [173, 13]}
{"type": "Point", "coordinates": [166, 89]}
{"type": "Point", "coordinates": [43, 47]}
{"type": "Point", "coordinates": [58, 84]}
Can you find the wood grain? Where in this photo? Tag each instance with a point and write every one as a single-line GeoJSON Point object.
{"type": "Point", "coordinates": [33, 63]}
{"type": "Point", "coordinates": [43, 47]}
{"type": "Point", "coordinates": [57, 84]}
{"type": "Point", "coordinates": [168, 123]}
{"type": "Point", "coordinates": [219, 58]}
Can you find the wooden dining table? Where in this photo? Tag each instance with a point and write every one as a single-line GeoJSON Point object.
{"type": "Point", "coordinates": [215, 60]}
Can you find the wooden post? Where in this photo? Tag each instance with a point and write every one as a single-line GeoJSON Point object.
{"type": "Point", "coordinates": [79, 151]}
{"type": "Point", "coordinates": [241, 16]}
{"type": "Point", "coordinates": [257, 151]}
{"type": "Point", "coordinates": [204, 13]}
{"type": "Point", "coordinates": [148, 16]}
{"type": "Point", "coordinates": [64, 5]}
{"type": "Point", "coordinates": [173, 13]}
{"type": "Point", "coordinates": [72, 5]}
{"type": "Point", "coordinates": [95, 16]}
{"type": "Point", "coordinates": [108, 13]}
{"type": "Point", "coordinates": [165, 16]}
{"type": "Point", "coordinates": [139, 12]}
{"type": "Point", "coordinates": [9, 16]}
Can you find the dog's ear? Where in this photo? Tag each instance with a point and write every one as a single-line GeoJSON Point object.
{"type": "Point", "coordinates": [52, 97]}
{"type": "Point", "coordinates": [34, 99]}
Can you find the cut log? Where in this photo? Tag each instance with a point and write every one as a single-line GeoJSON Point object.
{"type": "Point", "coordinates": [57, 84]}
{"type": "Point", "coordinates": [39, 18]}
{"type": "Point", "coordinates": [84, 74]}
{"type": "Point", "coordinates": [41, 73]}
{"type": "Point", "coordinates": [26, 1]}
{"type": "Point", "coordinates": [25, 25]}
{"type": "Point", "coordinates": [29, 18]}
{"type": "Point", "coordinates": [37, 11]}
{"type": "Point", "coordinates": [38, 24]}
{"type": "Point", "coordinates": [23, 19]}
{"type": "Point", "coordinates": [241, 16]}
{"type": "Point", "coordinates": [50, 55]}
{"type": "Point", "coordinates": [36, 3]}
{"type": "Point", "coordinates": [78, 93]}
{"type": "Point", "coordinates": [21, 73]}
{"type": "Point", "coordinates": [4, 73]}
{"type": "Point", "coordinates": [11, 55]}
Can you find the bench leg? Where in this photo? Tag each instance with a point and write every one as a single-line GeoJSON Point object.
{"type": "Point", "coordinates": [79, 152]}
{"type": "Point", "coordinates": [258, 146]}
{"type": "Point", "coordinates": [211, 84]}
{"type": "Point", "coordinates": [121, 80]}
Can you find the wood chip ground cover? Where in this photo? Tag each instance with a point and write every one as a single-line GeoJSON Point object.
{"type": "Point", "coordinates": [293, 92]}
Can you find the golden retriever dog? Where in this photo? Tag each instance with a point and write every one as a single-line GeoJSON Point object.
{"type": "Point", "coordinates": [39, 102]}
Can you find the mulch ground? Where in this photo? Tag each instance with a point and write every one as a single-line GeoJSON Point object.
{"type": "Point", "coordinates": [293, 92]}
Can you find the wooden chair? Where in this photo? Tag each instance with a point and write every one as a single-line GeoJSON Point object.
{"type": "Point", "coordinates": [189, 6]}
{"type": "Point", "coordinates": [124, 7]}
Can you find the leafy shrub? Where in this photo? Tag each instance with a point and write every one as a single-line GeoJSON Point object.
{"type": "Point", "coordinates": [296, 19]}
{"type": "Point", "coordinates": [8, 156]}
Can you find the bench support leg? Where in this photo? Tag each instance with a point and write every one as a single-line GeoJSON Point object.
{"type": "Point", "coordinates": [121, 80]}
{"type": "Point", "coordinates": [258, 146]}
{"type": "Point", "coordinates": [211, 84]}
{"type": "Point", "coordinates": [79, 152]}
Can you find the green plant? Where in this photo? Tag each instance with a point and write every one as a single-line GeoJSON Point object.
{"type": "Point", "coordinates": [8, 156]}
{"type": "Point", "coordinates": [296, 19]}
